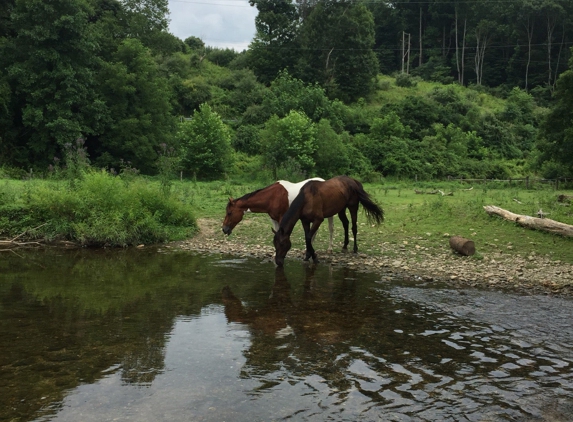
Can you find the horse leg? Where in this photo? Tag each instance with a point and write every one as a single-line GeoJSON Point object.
{"type": "Point", "coordinates": [331, 231]}
{"type": "Point", "coordinates": [307, 239]}
{"type": "Point", "coordinates": [344, 220]}
{"type": "Point", "coordinates": [354, 217]}
{"type": "Point", "coordinates": [275, 225]}
{"type": "Point", "coordinates": [309, 236]}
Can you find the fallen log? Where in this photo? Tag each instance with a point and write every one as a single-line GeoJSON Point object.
{"type": "Point", "coordinates": [11, 243]}
{"type": "Point", "coordinates": [462, 246]}
{"type": "Point", "coordinates": [433, 192]}
{"type": "Point", "coordinates": [544, 224]}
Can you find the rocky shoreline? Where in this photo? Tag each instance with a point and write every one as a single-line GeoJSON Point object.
{"type": "Point", "coordinates": [532, 274]}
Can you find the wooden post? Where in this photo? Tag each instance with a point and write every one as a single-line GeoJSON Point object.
{"type": "Point", "coordinates": [527, 182]}
{"type": "Point", "coordinates": [462, 246]}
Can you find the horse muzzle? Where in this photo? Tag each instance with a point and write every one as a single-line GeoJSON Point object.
{"type": "Point", "coordinates": [227, 230]}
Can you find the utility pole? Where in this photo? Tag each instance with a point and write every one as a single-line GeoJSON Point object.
{"type": "Point", "coordinates": [405, 53]}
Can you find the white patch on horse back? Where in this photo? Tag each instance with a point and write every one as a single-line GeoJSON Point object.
{"type": "Point", "coordinates": [294, 188]}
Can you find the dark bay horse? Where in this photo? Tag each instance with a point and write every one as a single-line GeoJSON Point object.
{"type": "Point", "coordinates": [273, 200]}
{"type": "Point", "coordinates": [319, 200]}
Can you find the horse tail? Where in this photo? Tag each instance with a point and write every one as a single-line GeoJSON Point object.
{"type": "Point", "coordinates": [373, 212]}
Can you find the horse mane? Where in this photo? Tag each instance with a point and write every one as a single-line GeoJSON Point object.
{"type": "Point", "coordinates": [248, 195]}
{"type": "Point", "coordinates": [253, 193]}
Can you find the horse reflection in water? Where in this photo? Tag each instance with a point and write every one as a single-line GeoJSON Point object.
{"type": "Point", "coordinates": [273, 200]}
{"type": "Point", "coordinates": [313, 316]}
{"type": "Point", "coordinates": [319, 200]}
{"type": "Point", "coordinates": [269, 320]}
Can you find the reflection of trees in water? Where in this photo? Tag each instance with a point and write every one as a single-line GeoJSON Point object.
{"type": "Point", "coordinates": [66, 318]}
{"type": "Point", "coordinates": [57, 346]}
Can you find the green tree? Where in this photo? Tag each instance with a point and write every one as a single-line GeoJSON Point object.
{"type": "Point", "coordinates": [557, 131]}
{"type": "Point", "coordinates": [205, 140]}
{"type": "Point", "coordinates": [288, 93]}
{"type": "Point", "coordinates": [274, 45]}
{"type": "Point", "coordinates": [389, 148]}
{"type": "Point", "coordinates": [331, 156]}
{"type": "Point", "coordinates": [195, 43]}
{"type": "Point", "coordinates": [247, 139]}
{"type": "Point", "coordinates": [139, 104]}
{"type": "Point", "coordinates": [337, 40]}
{"type": "Point", "coordinates": [242, 90]}
{"type": "Point", "coordinates": [220, 56]}
{"type": "Point", "coordinates": [444, 153]}
{"type": "Point", "coordinates": [52, 77]}
{"type": "Point", "coordinates": [147, 21]}
{"type": "Point", "coordinates": [291, 138]}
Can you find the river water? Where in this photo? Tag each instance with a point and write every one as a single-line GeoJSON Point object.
{"type": "Point", "coordinates": [157, 335]}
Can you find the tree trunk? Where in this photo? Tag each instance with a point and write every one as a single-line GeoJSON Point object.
{"type": "Point", "coordinates": [529, 29]}
{"type": "Point", "coordinates": [420, 56]}
{"type": "Point", "coordinates": [464, 52]}
{"type": "Point", "coordinates": [462, 246]}
{"type": "Point", "coordinates": [544, 224]}
{"type": "Point", "coordinates": [457, 47]}
{"type": "Point", "coordinates": [550, 29]}
{"type": "Point", "coordinates": [559, 57]}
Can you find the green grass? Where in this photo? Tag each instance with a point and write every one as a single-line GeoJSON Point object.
{"type": "Point", "coordinates": [420, 222]}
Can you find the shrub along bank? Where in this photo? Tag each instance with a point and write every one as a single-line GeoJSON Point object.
{"type": "Point", "coordinates": [96, 209]}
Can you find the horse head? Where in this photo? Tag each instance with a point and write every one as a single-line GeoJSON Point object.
{"type": "Point", "coordinates": [282, 243]}
{"type": "Point", "coordinates": [233, 216]}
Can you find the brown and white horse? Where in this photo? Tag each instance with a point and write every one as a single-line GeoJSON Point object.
{"type": "Point", "coordinates": [273, 200]}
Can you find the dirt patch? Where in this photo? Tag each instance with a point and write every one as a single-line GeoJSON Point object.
{"type": "Point", "coordinates": [533, 273]}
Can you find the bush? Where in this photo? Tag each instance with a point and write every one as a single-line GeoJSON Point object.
{"type": "Point", "coordinates": [290, 138]}
{"type": "Point", "coordinates": [331, 156]}
{"type": "Point", "coordinates": [406, 81]}
{"type": "Point", "coordinates": [246, 139]}
{"type": "Point", "coordinates": [100, 210]}
{"type": "Point", "coordinates": [206, 144]}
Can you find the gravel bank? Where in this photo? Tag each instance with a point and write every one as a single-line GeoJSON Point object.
{"type": "Point", "coordinates": [534, 273]}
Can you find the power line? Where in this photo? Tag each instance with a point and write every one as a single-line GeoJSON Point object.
{"type": "Point", "coordinates": [213, 4]}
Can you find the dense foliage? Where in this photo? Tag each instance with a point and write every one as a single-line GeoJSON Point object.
{"type": "Point", "coordinates": [475, 92]}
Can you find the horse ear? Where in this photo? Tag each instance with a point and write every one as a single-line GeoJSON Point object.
{"type": "Point", "coordinates": [230, 199]}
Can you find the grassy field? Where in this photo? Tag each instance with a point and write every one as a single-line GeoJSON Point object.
{"type": "Point", "coordinates": [421, 221]}
{"type": "Point", "coordinates": [415, 222]}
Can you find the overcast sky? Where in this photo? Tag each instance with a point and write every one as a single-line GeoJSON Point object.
{"type": "Point", "coordinates": [219, 23]}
